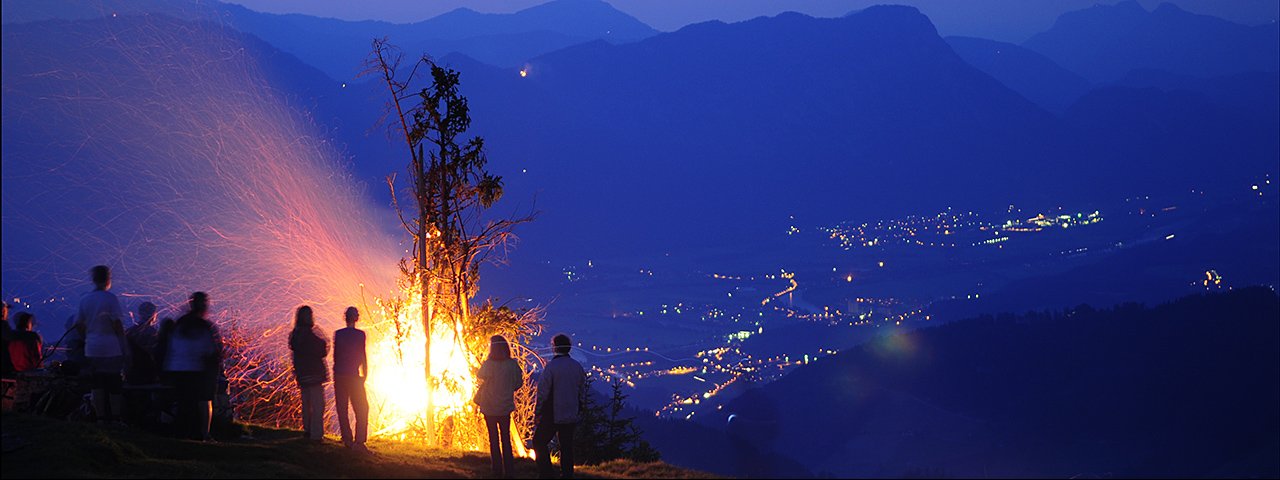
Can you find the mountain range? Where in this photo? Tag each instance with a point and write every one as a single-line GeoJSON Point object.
{"type": "Point", "coordinates": [339, 47]}
{"type": "Point", "coordinates": [872, 113]}
{"type": "Point", "coordinates": [1104, 42]}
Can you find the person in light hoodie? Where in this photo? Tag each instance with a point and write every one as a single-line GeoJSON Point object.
{"type": "Point", "coordinates": [500, 377]}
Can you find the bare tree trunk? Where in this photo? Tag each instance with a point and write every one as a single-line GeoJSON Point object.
{"type": "Point", "coordinates": [427, 311]}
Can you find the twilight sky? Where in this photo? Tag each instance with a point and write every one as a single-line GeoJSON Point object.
{"type": "Point", "coordinates": [1008, 20]}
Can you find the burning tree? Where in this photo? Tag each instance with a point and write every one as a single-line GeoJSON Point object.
{"type": "Point", "coordinates": [451, 192]}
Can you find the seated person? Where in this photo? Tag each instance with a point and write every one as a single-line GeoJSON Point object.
{"type": "Point", "coordinates": [26, 347]}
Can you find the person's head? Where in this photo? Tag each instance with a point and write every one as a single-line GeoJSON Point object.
{"type": "Point", "coordinates": [4, 311]}
{"type": "Point", "coordinates": [352, 315]}
{"type": "Point", "coordinates": [499, 349]}
{"type": "Point", "coordinates": [561, 344]}
{"type": "Point", "coordinates": [101, 275]}
{"type": "Point", "coordinates": [24, 321]}
{"type": "Point", "coordinates": [146, 313]}
{"type": "Point", "coordinates": [303, 319]}
{"type": "Point", "coordinates": [199, 303]}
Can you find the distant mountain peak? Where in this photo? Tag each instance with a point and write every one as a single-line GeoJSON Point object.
{"type": "Point", "coordinates": [899, 16]}
{"type": "Point", "coordinates": [1104, 42]}
{"type": "Point", "coordinates": [459, 11]}
{"type": "Point", "coordinates": [585, 19]}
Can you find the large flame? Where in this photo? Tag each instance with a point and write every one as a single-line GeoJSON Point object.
{"type": "Point", "coordinates": [398, 386]}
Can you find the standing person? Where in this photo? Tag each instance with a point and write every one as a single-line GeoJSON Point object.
{"type": "Point", "coordinates": [560, 391]}
{"type": "Point", "coordinates": [500, 377]}
{"type": "Point", "coordinates": [100, 321]}
{"type": "Point", "coordinates": [26, 347]}
{"type": "Point", "coordinates": [350, 368]}
{"type": "Point", "coordinates": [190, 354]}
{"type": "Point", "coordinates": [142, 339]}
{"type": "Point", "coordinates": [309, 350]}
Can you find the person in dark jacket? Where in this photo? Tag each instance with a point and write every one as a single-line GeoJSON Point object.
{"type": "Point", "coordinates": [350, 369]}
{"type": "Point", "coordinates": [500, 377]}
{"type": "Point", "coordinates": [309, 349]}
{"type": "Point", "coordinates": [189, 352]}
{"type": "Point", "coordinates": [142, 339]}
{"type": "Point", "coordinates": [560, 390]}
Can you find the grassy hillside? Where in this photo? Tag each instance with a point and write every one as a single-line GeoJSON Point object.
{"type": "Point", "coordinates": [40, 447]}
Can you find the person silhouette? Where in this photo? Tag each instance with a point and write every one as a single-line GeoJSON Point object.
{"type": "Point", "coordinates": [500, 377]}
{"type": "Point", "coordinates": [142, 339]}
{"type": "Point", "coordinates": [309, 370]}
{"type": "Point", "coordinates": [100, 320]}
{"type": "Point", "coordinates": [558, 408]}
{"type": "Point", "coordinates": [350, 369]}
{"type": "Point", "coordinates": [190, 354]}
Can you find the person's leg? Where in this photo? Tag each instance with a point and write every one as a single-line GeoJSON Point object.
{"type": "Point", "coordinates": [204, 410]}
{"type": "Point", "coordinates": [306, 410]}
{"type": "Point", "coordinates": [360, 403]}
{"type": "Point", "coordinates": [188, 420]}
{"type": "Point", "coordinates": [317, 412]}
{"type": "Point", "coordinates": [115, 394]}
{"type": "Point", "coordinates": [341, 392]}
{"type": "Point", "coordinates": [508, 457]}
{"type": "Point", "coordinates": [565, 432]}
{"type": "Point", "coordinates": [99, 398]}
{"type": "Point", "coordinates": [98, 389]}
{"type": "Point", "coordinates": [495, 452]}
{"type": "Point", "coordinates": [208, 384]}
{"type": "Point", "coordinates": [542, 435]}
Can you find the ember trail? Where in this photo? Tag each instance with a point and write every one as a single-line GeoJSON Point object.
{"type": "Point", "coordinates": [185, 170]}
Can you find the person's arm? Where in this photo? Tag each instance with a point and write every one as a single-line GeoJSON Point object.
{"type": "Point", "coordinates": [216, 354]}
{"type": "Point", "coordinates": [517, 377]}
{"type": "Point", "coordinates": [544, 390]}
{"type": "Point", "coordinates": [162, 343]}
{"type": "Point", "coordinates": [364, 355]}
{"type": "Point", "coordinates": [581, 381]}
{"type": "Point", "coordinates": [39, 350]}
{"type": "Point", "coordinates": [79, 324]}
{"type": "Point", "coordinates": [117, 324]}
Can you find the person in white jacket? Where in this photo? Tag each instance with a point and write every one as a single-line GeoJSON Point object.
{"type": "Point", "coordinates": [101, 321]}
{"type": "Point", "coordinates": [558, 410]}
{"type": "Point", "coordinates": [500, 377]}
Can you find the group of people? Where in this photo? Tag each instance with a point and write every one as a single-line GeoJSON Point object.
{"type": "Point", "coordinates": [183, 354]}
{"type": "Point", "coordinates": [23, 349]}
{"type": "Point", "coordinates": [350, 369]}
{"type": "Point", "coordinates": [557, 408]}
{"type": "Point", "coordinates": [186, 356]}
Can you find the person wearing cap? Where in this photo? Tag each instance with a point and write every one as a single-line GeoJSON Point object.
{"type": "Point", "coordinates": [560, 391]}
{"type": "Point", "coordinates": [190, 354]}
{"type": "Point", "coordinates": [350, 369]}
{"type": "Point", "coordinates": [500, 377]}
